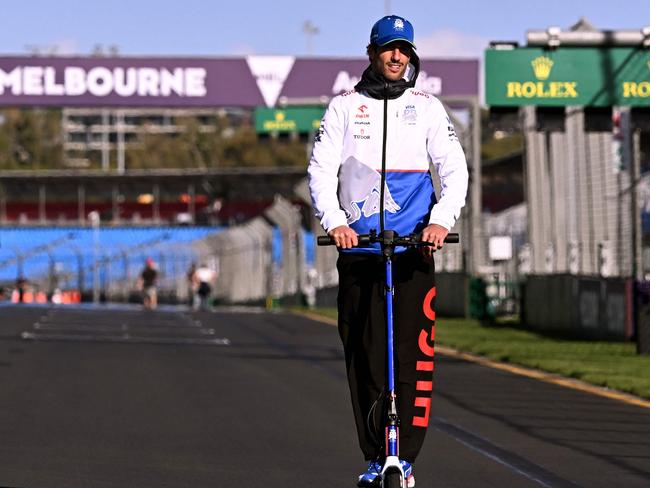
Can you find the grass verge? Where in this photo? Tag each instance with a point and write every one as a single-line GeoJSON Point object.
{"type": "Point", "coordinates": [613, 365]}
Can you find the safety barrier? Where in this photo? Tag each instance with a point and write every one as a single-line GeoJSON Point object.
{"type": "Point", "coordinates": [578, 305]}
{"type": "Point", "coordinates": [263, 260]}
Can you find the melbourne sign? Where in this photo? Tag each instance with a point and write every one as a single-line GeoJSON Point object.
{"type": "Point", "coordinates": [202, 82]}
{"type": "Point", "coordinates": [127, 82]}
{"type": "Point", "coordinates": [568, 76]}
{"type": "Point", "coordinates": [101, 81]}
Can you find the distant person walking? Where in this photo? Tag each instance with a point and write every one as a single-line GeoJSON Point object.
{"type": "Point", "coordinates": [205, 280]}
{"type": "Point", "coordinates": [148, 282]}
{"type": "Point", "coordinates": [20, 289]}
{"type": "Point", "coordinates": [192, 284]}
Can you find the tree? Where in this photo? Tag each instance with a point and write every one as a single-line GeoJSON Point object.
{"type": "Point", "coordinates": [31, 139]}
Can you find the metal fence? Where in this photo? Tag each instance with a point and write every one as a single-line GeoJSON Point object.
{"type": "Point", "coordinates": [579, 199]}
{"type": "Point", "coordinates": [581, 219]}
{"type": "Point", "coordinates": [261, 260]}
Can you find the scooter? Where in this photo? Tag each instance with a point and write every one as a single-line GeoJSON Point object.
{"type": "Point", "coordinates": [392, 473]}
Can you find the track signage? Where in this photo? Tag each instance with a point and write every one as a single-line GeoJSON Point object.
{"type": "Point", "coordinates": [291, 119]}
{"type": "Point", "coordinates": [250, 81]}
{"type": "Point", "coordinates": [593, 77]}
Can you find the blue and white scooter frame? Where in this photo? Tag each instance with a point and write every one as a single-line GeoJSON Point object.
{"type": "Point", "coordinates": [388, 241]}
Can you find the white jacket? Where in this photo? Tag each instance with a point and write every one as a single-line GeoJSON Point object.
{"type": "Point", "coordinates": [345, 166]}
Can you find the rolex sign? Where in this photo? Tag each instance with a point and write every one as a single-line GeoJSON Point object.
{"type": "Point", "coordinates": [597, 77]}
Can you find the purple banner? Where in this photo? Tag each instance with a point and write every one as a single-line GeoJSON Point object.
{"type": "Point", "coordinates": [202, 82]}
{"type": "Point", "coordinates": [127, 82]}
{"type": "Point", "coordinates": [311, 78]}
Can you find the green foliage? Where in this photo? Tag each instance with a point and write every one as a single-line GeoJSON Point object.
{"type": "Point", "coordinates": [222, 148]}
{"type": "Point", "coordinates": [30, 139]}
{"type": "Point", "coordinates": [244, 149]}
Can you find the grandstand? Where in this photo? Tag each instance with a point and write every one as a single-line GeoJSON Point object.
{"type": "Point", "coordinates": [72, 258]}
{"type": "Point", "coordinates": [267, 258]}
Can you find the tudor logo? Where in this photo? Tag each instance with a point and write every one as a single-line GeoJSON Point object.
{"type": "Point", "coordinates": [399, 24]}
{"type": "Point", "coordinates": [542, 67]}
{"type": "Point", "coordinates": [362, 135]}
{"type": "Point", "coordinates": [363, 108]}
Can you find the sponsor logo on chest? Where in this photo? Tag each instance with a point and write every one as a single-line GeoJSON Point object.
{"type": "Point", "coordinates": [363, 134]}
{"type": "Point", "coordinates": [410, 115]}
{"type": "Point", "coordinates": [362, 112]}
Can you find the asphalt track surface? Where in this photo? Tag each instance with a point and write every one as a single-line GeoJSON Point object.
{"type": "Point", "coordinates": [120, 397]}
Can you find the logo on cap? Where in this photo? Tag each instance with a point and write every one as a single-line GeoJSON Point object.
{"type": "Point", "coordinates": [391, 28]}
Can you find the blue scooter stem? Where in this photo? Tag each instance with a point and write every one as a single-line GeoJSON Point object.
{"type": "Point", "coordinates": [392, 429]}
{"type": "Point", "coordinates": [389, 320]}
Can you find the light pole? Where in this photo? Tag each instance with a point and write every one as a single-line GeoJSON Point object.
{"type": "Point", "coordinates": [95, 221]}
{"type": "Point", "coordinates": [310, 30]}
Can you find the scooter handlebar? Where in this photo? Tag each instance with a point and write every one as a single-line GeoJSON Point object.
{"type": "Point", "coordinates": [410, 240]}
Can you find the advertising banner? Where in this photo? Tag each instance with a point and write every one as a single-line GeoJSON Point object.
{"type": "Point", "coordinates": [312, 78]}
{"type": "Point", "coordinates": [291, 119]}
{"type": "Point", "coordinates": [202, 82]}
{"type": "Point", "coordinates": [591, 77]}
{"type": "Point", "coordinates": [127, 82]}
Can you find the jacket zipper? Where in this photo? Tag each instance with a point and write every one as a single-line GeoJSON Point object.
{"type": "Point", "coordinates": [383, 160]}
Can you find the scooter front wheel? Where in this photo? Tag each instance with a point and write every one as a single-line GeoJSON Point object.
{"type": "Point", "coordinates": [392, 479]}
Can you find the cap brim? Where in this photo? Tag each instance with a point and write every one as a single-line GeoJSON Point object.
{"type": "Point", "coordinates": [397, 39]}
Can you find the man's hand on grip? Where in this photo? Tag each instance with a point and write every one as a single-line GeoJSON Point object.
{"type": "Point", "coordinates": [435, 234]}
{"type": "Point", "coordinates": [344, 237]}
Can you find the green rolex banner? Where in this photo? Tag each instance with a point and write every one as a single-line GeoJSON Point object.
{"type": "Point", "coordinates": [291, 119]}
{"type": "Point", "coordinates": [596, 77]}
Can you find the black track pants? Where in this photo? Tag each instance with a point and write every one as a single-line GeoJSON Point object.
{"type": "Point", "coordinates": [362, 327]}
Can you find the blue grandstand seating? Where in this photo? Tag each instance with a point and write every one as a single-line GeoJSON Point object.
{"type": "Point", "coordinates": [35, 252]}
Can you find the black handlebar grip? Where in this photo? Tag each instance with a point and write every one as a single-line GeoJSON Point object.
{"type": "Point", "coordinates": [364, 239]}
{"type": "Point", "coordinates": [325, 241]}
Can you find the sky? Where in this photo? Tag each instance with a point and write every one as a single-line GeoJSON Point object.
{"type": "Point", "coordinates": [449, 28]}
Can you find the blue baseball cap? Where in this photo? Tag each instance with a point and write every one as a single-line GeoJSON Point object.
{"type": "Point", "coordinates": [391, 28]}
